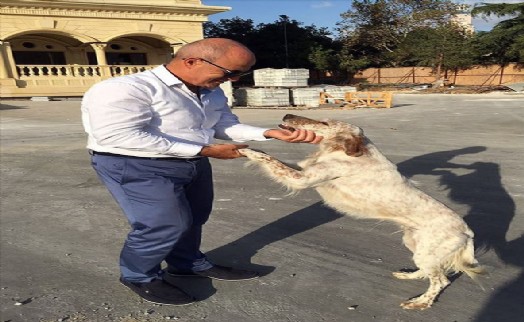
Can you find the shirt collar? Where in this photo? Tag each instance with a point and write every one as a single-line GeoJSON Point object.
{"type": "Point", "coordinates": [171, 80]}
{"type": "Point", "coordinates": [166, 76]}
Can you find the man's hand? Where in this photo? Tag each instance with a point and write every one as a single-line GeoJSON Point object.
{"type": "Point", "coordinates": [222, 151]}
{"type": "Point", "coordinates": [296, 136]}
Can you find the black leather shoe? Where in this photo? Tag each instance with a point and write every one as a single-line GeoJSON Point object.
{"type": "Point", "coordinates": [216, 272]}
{"type": "Point", "coordinates": [159, 292]}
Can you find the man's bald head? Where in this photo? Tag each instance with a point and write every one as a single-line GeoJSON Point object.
{"type": "Point", "coordinates": [209, 62]}
{"type": "Point", "coordinates": [213, 49]}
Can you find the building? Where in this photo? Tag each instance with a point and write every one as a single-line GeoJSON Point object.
{"type": "Point", "coordinates": [62, 47]}
{"type": "Point", "coordinates": [464, 18]}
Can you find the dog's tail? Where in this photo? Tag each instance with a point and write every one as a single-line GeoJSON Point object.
{"type": "Point", "coordinates": [463, 260]}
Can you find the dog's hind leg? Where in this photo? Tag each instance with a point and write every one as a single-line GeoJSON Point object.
{"type": "Point", "coordinates": [437, 282]}
{"type": "Point", "coordinates": [415, 275]}
{"type": "Point", "coordinates": [410, 242]}
{"type": "Point", "coordinates": [430, 257]}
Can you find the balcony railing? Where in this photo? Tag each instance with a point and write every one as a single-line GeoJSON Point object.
{"type": "Point", "coordinates": [74, 71]}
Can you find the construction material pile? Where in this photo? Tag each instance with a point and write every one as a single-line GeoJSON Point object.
{"type": "Point", "coordinates": [270, 77]}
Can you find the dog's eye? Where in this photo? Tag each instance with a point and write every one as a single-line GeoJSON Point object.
{"type": "Point", "coordinates": [325, 123]}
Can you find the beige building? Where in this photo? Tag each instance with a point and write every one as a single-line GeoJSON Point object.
{"type": "Point", "coordinates": [465, 20]}
{"type": "Point", "coordinates": [62, 47]}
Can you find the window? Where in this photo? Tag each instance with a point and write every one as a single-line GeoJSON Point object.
{"type": "Point", "coordinates": [126, 58]}
{"type": "Point", "coordinates": [39, 58]}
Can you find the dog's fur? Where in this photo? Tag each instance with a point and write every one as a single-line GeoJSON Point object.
{"type": "Point", "coordinates": [354, 178]}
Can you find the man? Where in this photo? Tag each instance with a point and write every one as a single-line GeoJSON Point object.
{"type": "Point", "coordinates": [150, 138]}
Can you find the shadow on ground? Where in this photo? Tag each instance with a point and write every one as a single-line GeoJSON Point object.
{"type": "Point", "coordinates": [491, 212]}
{"type": "Point", "coordinates": [243, 249]}
{"type": "Point", "coordinates": [11, 107]}
{"type": "Point", "coordinates": [240, 252]}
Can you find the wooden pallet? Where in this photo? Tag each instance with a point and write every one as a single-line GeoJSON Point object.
{"type": "Point", "coordinates": [370, 99]}
{"type": "Point", "coordinates": [359, 99]}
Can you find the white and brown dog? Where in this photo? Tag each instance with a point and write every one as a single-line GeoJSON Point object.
{"type": "Point", "coordinates": [356, 179]}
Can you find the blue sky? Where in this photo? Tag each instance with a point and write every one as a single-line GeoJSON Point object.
{"type": "Point", "coordinates": [321, 13]}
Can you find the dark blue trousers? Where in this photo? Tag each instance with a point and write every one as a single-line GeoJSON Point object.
{"type": "Point", "coordinates": [166, 203]}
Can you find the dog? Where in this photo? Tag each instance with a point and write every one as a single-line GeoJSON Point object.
{"type": "Point", "coordinates": [353, 177]}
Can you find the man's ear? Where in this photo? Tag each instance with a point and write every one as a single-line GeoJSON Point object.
{"type": "Point", "coordinates": [191, 62]}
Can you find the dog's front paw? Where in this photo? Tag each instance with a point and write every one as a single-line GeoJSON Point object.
{"type": "Point", "coordinates": [254, 155]}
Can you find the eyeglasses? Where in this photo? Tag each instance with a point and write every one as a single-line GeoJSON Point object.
{"type": "Point", "coordinates": [227, 73]}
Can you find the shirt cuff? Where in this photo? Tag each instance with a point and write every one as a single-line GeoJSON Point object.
{"type": "Point", "coordinates": [185, 150]}
{"type": "Point", "coordinates": [260, 135]}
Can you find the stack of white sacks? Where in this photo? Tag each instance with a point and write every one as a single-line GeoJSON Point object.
{"type": "Point", "coordinates": [281, 77]}
{"type": "Point", "coordinates": [338, 92]}
{"type": "Point", "coordinates": [272, 87]}
{"type": "Point", "coordinates": [308, 96]}
{"type": "Point", "coordinates": [262, 97]}
{"type": "Point", "coordinates": [285, 87]}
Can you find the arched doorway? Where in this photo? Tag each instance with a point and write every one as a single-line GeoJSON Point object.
{"type": "Point", "coordinates": [46, 49]}
{"type": "Point", "coordinates": [134, 50]}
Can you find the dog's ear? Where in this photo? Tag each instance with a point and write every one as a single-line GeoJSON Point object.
{"type": "Point", "coordinates": [355, 145]}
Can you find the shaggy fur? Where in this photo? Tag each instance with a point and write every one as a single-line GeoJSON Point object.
{"type": "Point", "coordinates": [354, 178]}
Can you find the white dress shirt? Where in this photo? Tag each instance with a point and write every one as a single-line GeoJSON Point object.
{"type": "Point", "coordinates": [153, 114]}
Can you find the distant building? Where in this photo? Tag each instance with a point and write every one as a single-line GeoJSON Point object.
{"type": "Point", "coordinates": [62, 47]}
{"type": "Point", "coordinates": [465, 20]}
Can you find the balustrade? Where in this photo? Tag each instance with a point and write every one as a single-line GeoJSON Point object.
{"type": "Point", "coordinates": [119, 70]}
{"type": "Point", "coordinates": [74, 71]}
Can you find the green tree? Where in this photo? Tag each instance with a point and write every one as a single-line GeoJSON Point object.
{"type": "Point", "coordinates": [241, 30]}
{"type": "Point", "coordinates": [384, 24]}
{"type": "Point", "coordinates": [323, 59]}
{"type": "Point", "coordinates": [374, 29]}
{"type": "Point", "coordinates": [289, 36]}
{"type": "Point", "coordinates": [505, 42]}
{"type": "Point", "coordinates": [443, 48]}
{"type": "Point", "coordinates": [271, 41]}
{"type": "Point", "coordinates": [390, 33]}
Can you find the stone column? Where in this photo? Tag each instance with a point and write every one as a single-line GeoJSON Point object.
{"type": "Point", "coordinates": [7, 61]}
{"type": "Point", "coordinates": [101, 59]}
{"type": "Point", "coordinates": [8, 73]}
{"type": "Point", "coordinates": [100, 52]}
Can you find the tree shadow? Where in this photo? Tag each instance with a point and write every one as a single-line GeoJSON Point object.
{"type": "Point", "coordinates": [491, 211]}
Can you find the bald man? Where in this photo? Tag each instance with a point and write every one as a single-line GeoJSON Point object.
{"type": "Point", "coordinates": [150, 136]}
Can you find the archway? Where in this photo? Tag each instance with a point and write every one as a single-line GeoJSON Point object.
{"type": "Point", "coordinates": [47, 49]}
{"type": "Point", "coordinates": [150, 48]}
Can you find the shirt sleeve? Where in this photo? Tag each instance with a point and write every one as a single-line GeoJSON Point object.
{"type": "Point", "coordinates": [230, 128]}
{"type": "Point", "coordinates": [118, 113]}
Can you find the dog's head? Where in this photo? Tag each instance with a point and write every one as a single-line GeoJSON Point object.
{"type": "Point", "coordinates": [337, 135]}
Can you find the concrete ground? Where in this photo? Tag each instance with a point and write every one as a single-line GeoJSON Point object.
{"type": "Point", "coordinates": [61, 232]}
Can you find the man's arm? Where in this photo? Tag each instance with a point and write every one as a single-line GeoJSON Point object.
{"type": "Point", "coordinates": [222, 151]}
{"type": "Point", "coordinates": [296, 136]}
